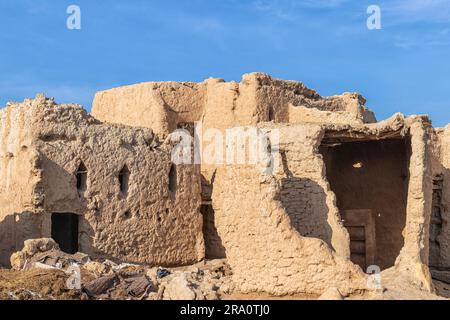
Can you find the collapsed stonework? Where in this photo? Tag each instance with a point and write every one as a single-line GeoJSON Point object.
{"type": "Point", "coordinates": [293, 213]}
{"type": "Point", "coordinates": [344, 192]}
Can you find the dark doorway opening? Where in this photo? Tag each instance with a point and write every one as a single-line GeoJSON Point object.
{"type": "Point", "coordinates": [370, 180]}
{"type": "Point", "coordinates": [65, 231]}
{"type": "Point", "coordinates": [214, 248]}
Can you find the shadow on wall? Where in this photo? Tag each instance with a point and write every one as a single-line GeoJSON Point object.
{"type": "Point", "coordinates": [304, 200]}
{"type": "Point", "coordinates": [214, 248]}
{"type": "Point", "coordinates": [14, 230]}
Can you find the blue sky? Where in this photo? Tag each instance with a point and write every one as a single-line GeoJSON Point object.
{"type": "Point", "coordinates": [323, 43]}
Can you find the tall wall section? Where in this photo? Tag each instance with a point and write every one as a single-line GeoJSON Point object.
{"type": "Point", "coordinates": [18, 180]}
{"type": "Point", "coordinates": [440, 218]}
{"type": "Point", "coordinates": [278, 229]}
{"type": "Point", "coordinates": [156, 220]}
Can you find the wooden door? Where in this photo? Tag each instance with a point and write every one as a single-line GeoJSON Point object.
{"type": "Point", "coordinates": [360, 224]}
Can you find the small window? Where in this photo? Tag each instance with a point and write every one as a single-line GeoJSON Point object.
{"type": "Point", "coordinates": [124, 178]}
{"type": "Point", "coordinates": [271, 114]}
{"type": "Point", "coordinates": [173, 179]}
{"type": "Point", "coordinates": [81, 177]}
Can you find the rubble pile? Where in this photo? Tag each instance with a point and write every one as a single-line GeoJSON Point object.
{"type": "Point", "coordinates": [41, 271]}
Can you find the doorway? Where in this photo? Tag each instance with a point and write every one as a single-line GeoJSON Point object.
{"type": "Point", "coordinates": [65, 231]}
{"type": "Point", "coordinates": [370, 180]}
{"type": "Point", "coordinates": [361, 228]}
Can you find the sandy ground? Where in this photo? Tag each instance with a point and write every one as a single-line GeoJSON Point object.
{"type": "Point", "coordinates": [36, 284]}
{"type": "Point", "coordinates": [43, 284]}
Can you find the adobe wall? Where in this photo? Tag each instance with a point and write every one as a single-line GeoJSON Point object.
{"type": "Point", "coordinates": [219, 104]}
{"type": "Point", "coordinates": [261, 98]}
{"type": "Point", "coordinates": [445, 241]}
{"type": "Point", "coordinates": [287, 101]}
{"type": "Point", "coordinates": [414, 256]}
{"type": "Point", "coordinates": [297, 204]}
{"type": "Point", "coordinates": [279, 230]}
{"type": "Point", "coordinates": [157, 105]}
{"type": "Point", "coordinates": [440, 224]}
{"type": "Point", "coordinates": [17, 181]}
{"type": "Point", "coordinates": [150, 224]}
{"type": "Point", "coordinates": [258, 218]}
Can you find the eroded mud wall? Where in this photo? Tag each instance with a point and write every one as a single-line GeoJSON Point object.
{"type": "Point", "coordinates": [157, 105]}
{"type": "Point", "coordinates": [18, 180]}
{"type": "Point", "coordinates": [440, 217]}
{"type": "Point", "coordinates": [155, 219]}
{"type": "Point", "coordinates": [273, 243]}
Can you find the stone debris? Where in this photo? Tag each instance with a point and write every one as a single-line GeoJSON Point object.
{"type": "Point", "coordinates": [45, 277]}
{"type": "Point", "coordinates": [97, 268]}
{"type": "Point", "coordinates": [100, 285]}
{"type": "Point", "coordinates": [109, 280]}
{"type": "Point", "coordinates": [178, 288]}
{"type": "Point", "coordinates": [138, 286]}
{"type": "Point", "coordinates": [19, 260]}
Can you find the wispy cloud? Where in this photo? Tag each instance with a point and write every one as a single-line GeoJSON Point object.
{"type": "Point", "coordinates": [413, 11]}
{"type": "Point", "coordinates": [416, 24]}
{"type": "Point", "coordinates": [320, 4]}
{"type": "Point", "coordinates": [276, 9]}
{"type": "Point", "coordinates": [436, 39]}
{"type": "Point", "coordinates": [289, 9]}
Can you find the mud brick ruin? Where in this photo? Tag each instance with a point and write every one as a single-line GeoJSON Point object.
{"type": "Point", "coordinates": [347, 192]}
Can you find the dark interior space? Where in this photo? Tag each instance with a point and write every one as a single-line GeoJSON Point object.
{"type": "Point", "coordinates": [436, 221]}
{"type": "Point", "coordinates": [214, 248]}
{"type": "Point", "coordinates": [370, 180]}
{"type": "Point", "coordinates": [65, 231]}
{"type": "Point", "coordinates": [81, 177]}
{"type": "Point", "coordinates": [124, 177]}
{"type": "Point", "coordinates": [173, 179]}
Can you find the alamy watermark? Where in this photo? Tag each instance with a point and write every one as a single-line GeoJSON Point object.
{"type": "Point", "coordinates": [374, 20]}
{"type": "Point", "coordinates": [240, 146]}
{"type": "Point", "coordinates": [74, 280]}
{"type": "Point", "coordinates": [374, 279]}
{"type": "Point", "coordinates": [73, 22]}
